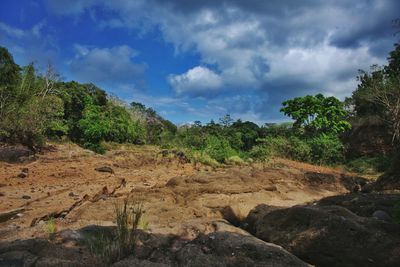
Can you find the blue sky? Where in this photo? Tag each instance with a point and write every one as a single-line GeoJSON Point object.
{"type": "Point", "coordinates": [199, 60]}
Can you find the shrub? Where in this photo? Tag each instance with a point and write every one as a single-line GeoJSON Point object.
{"type": "Point", "coordinates": [260, 152]}
{"type": "Point", "coordinates": [369, 165]}
{"type": "Point", "coordinates": [298, 149]}
{"type": "Point", "coordinates": [234, 160]}
{"type": "Point", "coordinates": [287, 147]}
{"type": "Point", "coordinates": [326, 149]}
{"type": "Point", "coordinates": [203, 158]}
{"type": "Point", "coordinates": [218, 148]}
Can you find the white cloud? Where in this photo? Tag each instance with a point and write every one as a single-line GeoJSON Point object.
{"type": "Point", "coordinates": [196, 81]}
{"type": "Point", "coordinates": [115, 64]}
{"type": "Point", "coordinates": [33, 44]}
{"type": "Point", "coordinates": [11, 31]}
{"type": "Point", "coordinates": [279, 48]}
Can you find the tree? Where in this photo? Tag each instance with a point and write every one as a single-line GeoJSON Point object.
{"type": "Point", "coordinates": [226, 120]}
{"type": "Point", "coordinates": [383, 92]}
{"type": "Point", "coordinates": [315, 115]}
{"type": "Point", "coordinates": [9, 71]}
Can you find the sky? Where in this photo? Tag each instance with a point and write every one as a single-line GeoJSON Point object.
{"type": "Point", "coordinates": [199, 60]}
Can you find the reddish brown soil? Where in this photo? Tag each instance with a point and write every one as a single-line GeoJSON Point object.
{"type": "Point", "coordinates": [178, 197]}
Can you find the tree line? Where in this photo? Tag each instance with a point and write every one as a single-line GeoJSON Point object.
{"type": "Point", "coordinates": [38, 107]}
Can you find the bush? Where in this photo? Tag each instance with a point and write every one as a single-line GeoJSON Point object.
{"type": "Point", "coordinates": [260, 152]}
{"type": "Point", "coordinates": [369, 165]}
{"type": "Point", "coordinates": [326, 149]}
{"type": "Point", "coordinates": [298, 149]}
{"type": "Point", "coordinates": [218, 148]}
{"type": "Point", "coordinates": [286, 147]}
{"type": "Point", "coordinates": [234, 160]}
{"type": "Point", "coordinates": [202, 157]}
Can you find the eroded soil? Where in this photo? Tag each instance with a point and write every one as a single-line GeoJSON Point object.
{"type": "Point", "coordinates": [179, 197]}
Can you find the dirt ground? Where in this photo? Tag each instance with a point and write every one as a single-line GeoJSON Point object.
{"type": "Point", "coordinates": [179, 198]}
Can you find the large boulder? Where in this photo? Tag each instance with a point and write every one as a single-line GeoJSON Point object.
{"type": "Point", "coordinates": [41, 252]}
{"type": "Point", "coordinates": [15, 154]}
{"type": "Point", "coordinates": [232, 249]}
{"type": "Point", "coordinates": [328, 235]}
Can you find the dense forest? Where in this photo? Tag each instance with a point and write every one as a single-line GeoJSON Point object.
{"type": "Point", "coordinates": [363, 131]}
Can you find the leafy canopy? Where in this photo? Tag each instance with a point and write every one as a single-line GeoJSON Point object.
{"type": "Point", "coordinates": [317, 114]}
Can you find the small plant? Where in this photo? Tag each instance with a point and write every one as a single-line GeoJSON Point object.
{"type": "Point", "coordinates": [143, 224]}
{"type": "Point", "coordinates": [51, 226]}
{"type": "Point", "coordinates": [204, 158]}
{"type": "Point", "coordinates": [235, 160]}
{"type": "Point", "coordinates": [111, 248]}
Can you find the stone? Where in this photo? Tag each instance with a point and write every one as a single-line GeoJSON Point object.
{"type": "Point", "coordinates": [17, 258]}
{"type": "Point", "coordinates": [72, 194]}
{"type": "Point", "coordinates": [382, 215]}
{"type": "Point", "coordinates": [105, 169]}
{"type": "Point", "coordinates": [328, 235]}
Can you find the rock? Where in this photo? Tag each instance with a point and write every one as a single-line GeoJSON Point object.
{"type": "Point", "coordinates": [26, 197]}
{"type": "Point", "coordinates": [382, 215]}
{"type": "Point", "coordinates": [54, 262]}
{"type": "Point", "coordinates": [131, 261]}
{"type": "Point", "coordinates": [71, 235]}
{"type": "Point", "coordinates": [72, 194]}
{"type": "Point", "coordinates": [364, 205]}
{"type": "Point", "coordinates": [5, 216]}
{"type": "Point", "coordinates": [24, 173]}
{"type": "Point", "coordinates": [270, 188]}
{"type": "Point", "coordinates": [105, 169]}
{"type": "Point", "coordinates": [328, 235]}
{"type": "Point", "coordinates": [232, 249]}
{"type": "Point", "coordinates": [17, 258]}
{"type": "Point", "coordinates": [15, 154]}
{"type": "Point", "coordinates": [42, 252]}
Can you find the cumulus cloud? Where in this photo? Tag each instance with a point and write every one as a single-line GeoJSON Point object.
{"type": "Point", "coordinates": [276, 49]}
{"type": "Point", "coordinates": [115, 64]}
{"type": "Point", "coordinates": [198, 81]}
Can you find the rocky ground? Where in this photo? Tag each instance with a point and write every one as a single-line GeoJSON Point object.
{"type": "Point", "coordinates": [281, 213]}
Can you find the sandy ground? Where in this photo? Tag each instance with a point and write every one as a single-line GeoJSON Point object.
{"type": "Point", "coordinates": [178, 197]}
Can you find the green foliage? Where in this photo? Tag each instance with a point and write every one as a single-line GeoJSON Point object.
{"type": "Point", "coordinates": [9, 71]}
{"type": "Point", "coordinates": [218, 148]}
{"type": "Point", "coordinates": [369, 165]}
{"type": "Point", "coordinates": [94, 127]}
{"type": "Point", "coordinates": [122, 128]}
{"type": "Point", "coordinates": [51, 226]}
{"type": "Point", "coordinates": [277, 129]}
{"type": "Point", "coordinates": [200, 156]}
{"type": "Point", "coordinates": [246, 134]}
{"type": "Point", "coordinates": [317, 114]}
{"type": "Point", "coordinates": [292, 147]}
{"type": "Point", "coordinates": [326, 149]}
{"type": "Point", "coordinates": [260, 152]}
{"type": "Point", "coordinates": [112, 248]}
{"type": "Point", "coordinates": [28, 115]}
{"type": "Point", "coordinates": [234, 160]}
